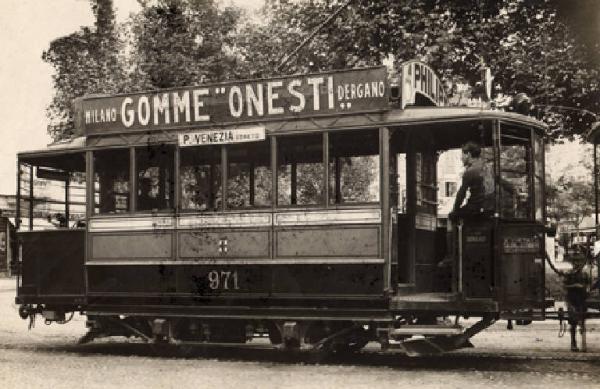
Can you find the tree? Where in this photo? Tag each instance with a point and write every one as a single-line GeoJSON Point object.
{"type": "Point", "coordinates": [182, 42]}
{"type": "Point", "coordinates": [570, 197]}
{"type": "Point", "coordinates": [169, 43]}
{"type": "Point", "coordinates": [529, 45]}
{"type": "Point", "coordinates": [86, 61]}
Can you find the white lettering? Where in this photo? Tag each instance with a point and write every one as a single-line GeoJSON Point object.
{"type": "Point", "coordinates": [301, 100]}
{"type": "Point", "coordinates": [374, 89]}
{"type": "Point", "coordinates": [235, 96]}
{"type": "Point", "coordinates": [161, 105]}
{"type": "Point", "coordinates": [272, 96]}
{"type": "Point", "coordinates": [316, 82]}
{"type": "Point", "coordinates": [359, 91]}
{"type": "Point", "coordinates": [330, 92]}
{"type": "Point", "coordinates": [253, 100]}
{"type": "Point", "coordinates": [127, 115]}
{"type": "Point", "coordinates": [198, 103]}
{"type": "Point", "coordinates": [144, 110]}
{"type": "Point", "coordinates": [181, 104]}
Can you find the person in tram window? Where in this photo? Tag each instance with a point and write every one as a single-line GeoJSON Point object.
{"type": "Point", "coordinates": [58, 220]}
{"type": "Point", "coordinates": [147, 199]}
{"type": "Point", "coordinates": [107, 201]}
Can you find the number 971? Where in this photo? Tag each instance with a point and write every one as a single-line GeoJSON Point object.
{"type": "Point", "coordinates": [223, 280]}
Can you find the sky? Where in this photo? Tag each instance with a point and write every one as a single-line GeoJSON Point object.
{"type": "Point", "coordinates": [26, 29]}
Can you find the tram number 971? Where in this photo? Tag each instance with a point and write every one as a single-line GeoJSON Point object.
{"type": "Point", "coordinates": [223, 280]}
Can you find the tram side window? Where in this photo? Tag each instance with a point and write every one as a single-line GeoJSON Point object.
{"type": "Point", "coordinates": [200, 178]}
{"type": "Point", "coordinates": [111, 181]}
{"type": "Point", "coordinates": [300, 170]}
{"type": "Point", "coordinates": [52, 192]}
{"type": "Point", "coordinates": [155, 177]}
{"type": "Point", "coordinates": [514, 169]}
{"type": "Point", "coordinates": [354, 167]}
{"type": "Point", "coordinates": [426, 190]}
{"type": "Point", "coordinates": [249, 175]}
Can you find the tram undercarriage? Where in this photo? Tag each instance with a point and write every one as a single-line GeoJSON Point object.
{"type": "Point", "coordinates": [414, 332]}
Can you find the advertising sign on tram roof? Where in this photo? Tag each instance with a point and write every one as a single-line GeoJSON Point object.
{"type": "Point", "coordinates": [296, 96]}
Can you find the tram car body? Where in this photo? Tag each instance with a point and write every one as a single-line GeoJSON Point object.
{"type": "Point", "coordinates": [301, 207]}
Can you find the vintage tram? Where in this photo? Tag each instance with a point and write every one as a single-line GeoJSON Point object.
{"type": "Point", "coordinates": [302, 207]}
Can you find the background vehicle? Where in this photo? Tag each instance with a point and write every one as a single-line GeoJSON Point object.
{"type": "Point", "coordinates": [302, 207]}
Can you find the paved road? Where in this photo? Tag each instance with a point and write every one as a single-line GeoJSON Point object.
{"type": "Point", "coordinates": [48, 356]}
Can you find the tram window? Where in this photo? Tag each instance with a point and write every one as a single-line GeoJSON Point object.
{"type": "Point", "coordinates": [200, 178]}
{"type": "Point", "coordinates": [514, 169]}
{"type": "Point", "coordinates": [300, 170]}
{"type": "Point", "coordinates": [401, 182]}
{"type": "Point", "coordinates": [111, 181]}
{"type": "Point", "coordinates": [249, 179]}
{"type": "Point", "coordinates": [155, 177]}
{"type": "Point", "coordinates": [354, 167]}
{"type": "Point", "coordinates": [426, 182]}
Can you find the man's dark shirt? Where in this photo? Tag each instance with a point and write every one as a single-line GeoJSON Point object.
{"type": "Point", "coordinates": [472, 180]}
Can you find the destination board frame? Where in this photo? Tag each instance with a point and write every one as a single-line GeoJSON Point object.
{"type": "Point", "coordinates": [247, 101]}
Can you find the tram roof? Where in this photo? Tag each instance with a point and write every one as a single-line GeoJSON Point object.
{"type": "Point", "coordinates": [441, 118]}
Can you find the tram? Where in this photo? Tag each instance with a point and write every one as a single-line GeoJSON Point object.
{"type": "Point", "coordinates": [303, 208]}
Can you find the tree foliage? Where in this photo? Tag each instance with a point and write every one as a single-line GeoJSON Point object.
{"type": "Point", "coordinates": [540, 47]}
{"type": "Point", "coordinates": [570, 196]}
{"type": "Point", "coordinates": [85, 62]}
{"type": "Point", "coordinates": [529, 45]}
{"type": "Point", "coordinates": [182, 42]}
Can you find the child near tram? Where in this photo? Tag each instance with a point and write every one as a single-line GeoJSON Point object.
{"type": "Point", "coordinates": [576, 283]}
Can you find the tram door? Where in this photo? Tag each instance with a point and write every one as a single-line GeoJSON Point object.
{"type": "Point", "coordinates": [413, 165]}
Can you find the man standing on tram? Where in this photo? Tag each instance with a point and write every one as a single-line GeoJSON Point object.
{"type": "Point", "coordinates": [478, 181]}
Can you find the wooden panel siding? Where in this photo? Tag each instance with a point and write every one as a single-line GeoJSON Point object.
{"type": "Point", "coordinates": [224, 244]}
{"type": "Point", "coordinates": [328, 242]}
{"type": "Point", "coordinates": [131, 246]}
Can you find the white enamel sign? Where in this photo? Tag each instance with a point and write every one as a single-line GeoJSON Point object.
{"type": "Point", "coordinates": [220, 137]}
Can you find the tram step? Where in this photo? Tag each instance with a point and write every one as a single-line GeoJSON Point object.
{"type": "Point", "coordinates": [427, 297]}
{"type": "Point", "coordinates": [433, 329]}
{"type": "Point", "coordinates": [404, 289]}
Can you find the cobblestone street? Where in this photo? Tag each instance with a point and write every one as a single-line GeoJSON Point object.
{"type": "Point", "coordinates": [48, 356]}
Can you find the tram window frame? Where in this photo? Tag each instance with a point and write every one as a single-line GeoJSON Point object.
{"type": "Point", "coordinates": [48, 186]}
{"type": "Point", "coordinates": [258, 184]}
{"type": "Point", "coordinates": [193, 157]}
{"type": "Point", "coordinates": [299, 149]}
{"type": "Point", "coordinates": [354, 146]}
{"type": "Point", "coordinates": [538, 177]}
{"type": "Point", "coordinates": [155, 178]}
{"type": "Point", "coordinates": [521, 202]}
{"type": "Point", "coordinates": [97, 203]}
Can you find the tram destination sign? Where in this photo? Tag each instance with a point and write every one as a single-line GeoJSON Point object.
{"type": "Point", "coordinates": [220, 137]}
{"type": "Point", "coordinates": [352, 91]}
